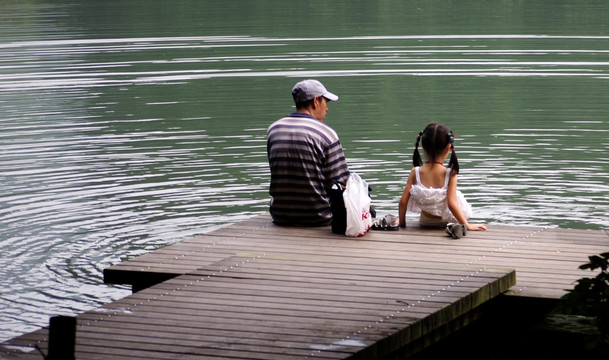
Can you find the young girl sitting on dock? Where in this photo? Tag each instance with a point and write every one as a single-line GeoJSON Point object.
{"type": "Point", "coordinates": [431, 189]}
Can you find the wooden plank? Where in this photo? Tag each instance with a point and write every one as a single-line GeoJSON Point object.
{"type": "Point", "coordinates": [327, 320]}
{"type": "Point", "coordinates": [259, 291]}
{"type": "Point", "coordinates": [239, 327]}
{"type": "Point", "coordinates": [542, 256]}
{"type": "Point", "coordinates": [263, 300]}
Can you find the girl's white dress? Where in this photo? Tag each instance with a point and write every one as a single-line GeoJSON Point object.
{"type": "Point", "coordinates": [433, 200]}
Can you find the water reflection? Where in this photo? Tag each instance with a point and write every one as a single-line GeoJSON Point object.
{"type": "Point", "coordinates": [63, 66]}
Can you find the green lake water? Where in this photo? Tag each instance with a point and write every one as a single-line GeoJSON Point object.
{"type": "Point", "coordinates": [129, 125]}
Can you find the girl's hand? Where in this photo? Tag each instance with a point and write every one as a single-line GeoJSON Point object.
{"type": "Point", "coordinates": [476, 227]}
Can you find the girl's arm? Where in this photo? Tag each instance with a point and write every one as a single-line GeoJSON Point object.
{"type": "Point", "coordinates": [453, 205]}
{"type": "Point", "coordinates": [405, 197]}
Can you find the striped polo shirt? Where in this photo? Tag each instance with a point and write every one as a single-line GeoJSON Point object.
{"type": "Point", "coordinates": [305, 157]}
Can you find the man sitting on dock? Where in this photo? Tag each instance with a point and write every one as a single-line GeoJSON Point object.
{"type": "Point", "coordinates": [306, 158]}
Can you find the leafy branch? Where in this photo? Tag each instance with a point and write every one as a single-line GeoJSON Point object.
{"type": "Point", "coordinates": [590, 297]}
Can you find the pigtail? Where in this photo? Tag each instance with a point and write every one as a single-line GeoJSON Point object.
{"type": "Point", "coordinates": [453, 163]}
{"type": "Point", "coordinates": [416, 158]}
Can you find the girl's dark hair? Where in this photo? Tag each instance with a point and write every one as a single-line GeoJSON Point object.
{"type": "Point", "coordinates": [434, 139]}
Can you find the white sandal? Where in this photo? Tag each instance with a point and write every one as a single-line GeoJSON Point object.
{"type": "Point", "coordinates": [456, 231]}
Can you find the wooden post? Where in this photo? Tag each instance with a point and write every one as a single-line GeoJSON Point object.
{"type": "Point", "coordinates": [62, 338]}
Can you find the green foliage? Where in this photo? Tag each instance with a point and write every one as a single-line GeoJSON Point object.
{"type": "Point", "coordinates": [590, 297]}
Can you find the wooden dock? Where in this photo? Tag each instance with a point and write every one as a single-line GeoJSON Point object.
{"type": "Point", "coordinates": [253, 290]}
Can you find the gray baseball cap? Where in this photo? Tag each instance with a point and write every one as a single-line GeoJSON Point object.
{"type": "Point", "coordinates": [308, 89]}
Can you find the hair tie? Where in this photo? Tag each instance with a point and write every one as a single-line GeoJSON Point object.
{"type": "Point", "coordinates": [452, 141]}
{"type": "Point", "coordinates": [419, 138]}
